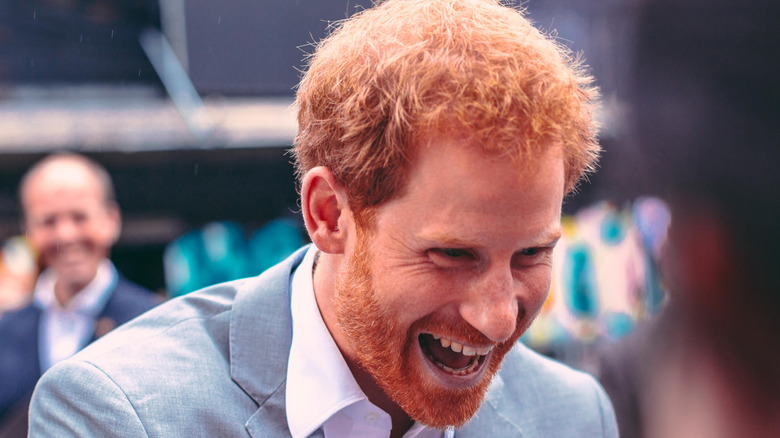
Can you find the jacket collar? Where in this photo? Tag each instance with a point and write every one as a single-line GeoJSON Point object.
{"type": "Point", "coordinates": [260, 339]}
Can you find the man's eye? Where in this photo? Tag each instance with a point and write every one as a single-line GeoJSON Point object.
{"type": "Point", "coordinates": [530, 252]}
{"type": "Point", "coordinates": [451, 257]}
{"type": "Point", "coordinates": [454, 252]}
{"type": "Point", "coordinates": [530, 257]}
{"type": "Point", "coordinates": [48, 222]}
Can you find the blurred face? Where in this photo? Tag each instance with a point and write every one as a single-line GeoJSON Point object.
{"type": "Point", "coordinates": [69, 222]}
{"type": "Point", "coordinates": [449, 277]}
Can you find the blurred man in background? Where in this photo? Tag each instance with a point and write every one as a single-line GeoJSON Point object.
{"type": "Point", "coordinates": [72, 220]}
{"type": "Point", "coordinates": [708, 116]}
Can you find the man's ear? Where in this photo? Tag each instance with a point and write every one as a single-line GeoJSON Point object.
{"type": "Point", "coordinates": [326, 212]}
{"type": "Point", "coordinates": [113, 222]}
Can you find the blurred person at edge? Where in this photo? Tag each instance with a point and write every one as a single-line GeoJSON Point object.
{"type": "Point", "coordinates": [707, 112]}
{"type": "Point", "coordinates": [436, 142]}
{"type": "Point", "coordinates": [72, 220]}
{"type": "Point", "coordinates": [18, 273]}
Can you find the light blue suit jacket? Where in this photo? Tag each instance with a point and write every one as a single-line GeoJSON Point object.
{"type": "Point", "coordinates": [214, 363]}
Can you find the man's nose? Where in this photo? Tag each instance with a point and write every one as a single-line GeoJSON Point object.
{"type": "Point", "coordinates": [492, 304]}
{"type": "Point", "coordinates": [65, 230]}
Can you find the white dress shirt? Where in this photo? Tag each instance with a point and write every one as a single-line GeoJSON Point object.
{"type": "Point", "coordinates": [321, 391]}
{"type": "Point", "coordinates": [66, 330]}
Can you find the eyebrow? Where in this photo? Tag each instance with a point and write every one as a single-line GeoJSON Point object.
{"type": "Point", "coordinates": [548, 238]}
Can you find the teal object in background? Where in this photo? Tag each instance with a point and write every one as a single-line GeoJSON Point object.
{"type": "Point", "coordinates": [182, 260]}
{"type": "Point", "coordinates": [219, 252]}
{"type": "Point", "coordinates": [613, 228]}
{"type": "Point", "coordinates": [225, 252]}
{"type": "Point", "coordinates": [579, 280]}
{"type": "Point", "coordinates": [272, 243]}
{"type": "Point", "coordinates": [618, 325]}
{"type": "Point", "coordinates": [652, 217]}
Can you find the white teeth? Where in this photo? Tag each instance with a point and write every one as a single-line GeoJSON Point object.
{"type": "Point", "coordinates": [463, 349]}
{"type": "Point", "coordinates": [462, 372]}
{"type": "Point", "coordinates": [484, 350]}
{"type": "Point", "coordinates": [469, 351]}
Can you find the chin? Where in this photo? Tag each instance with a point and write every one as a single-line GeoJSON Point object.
{"type": "Point", "coordinates": [75, 276]}
{"type": "Point", "coordinates": [439, 396]}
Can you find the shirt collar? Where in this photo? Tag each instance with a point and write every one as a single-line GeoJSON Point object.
{"type": "Point", "coordinates": [319, 382]}
{"type": "Point", "coordinates": [88, 301]}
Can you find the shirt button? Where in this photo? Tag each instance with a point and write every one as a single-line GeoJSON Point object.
{"type": "Point", "coordinates": [371, 417]}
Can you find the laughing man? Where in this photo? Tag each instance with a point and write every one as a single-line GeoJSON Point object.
{"type": "Point", "coordinates": [436, 142]}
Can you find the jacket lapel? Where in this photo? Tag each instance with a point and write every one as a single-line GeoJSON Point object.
{"type": "Point", "coordinates": [260, 338]}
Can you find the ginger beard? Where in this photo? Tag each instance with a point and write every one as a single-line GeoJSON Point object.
{"type": "Point", "coordinates": [384, 349]}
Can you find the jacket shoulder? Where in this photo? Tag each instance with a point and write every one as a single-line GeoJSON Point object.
{"type": "Point", "coordinates": [543, 397]}
{"type": "Point", "coordinates": [173, 355]}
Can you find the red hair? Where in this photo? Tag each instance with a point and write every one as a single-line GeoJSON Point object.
{"type": "Point", "coordinates": [393, 74]}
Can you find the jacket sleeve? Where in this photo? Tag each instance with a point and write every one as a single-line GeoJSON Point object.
{"type": "Point", "coordinates": [76, 399]}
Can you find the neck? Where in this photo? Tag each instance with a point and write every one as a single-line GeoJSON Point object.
{"type": "Point", "coordinates": [64, 292]}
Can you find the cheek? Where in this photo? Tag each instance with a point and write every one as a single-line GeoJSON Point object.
{"type": "Point", "coordinates": [536, 286]}
{"type": "Point", "coordinates": [42, 240]}
{"type": "Point", "coordinates": [413, 295]}
{"type": "Point", "coordinates": [103, 233]}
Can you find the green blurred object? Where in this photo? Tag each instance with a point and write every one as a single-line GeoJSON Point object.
{"type": "Point", "coordinates": [219, 252]}
{"type": "Point", "coordinates": [225, 252]}
{"type": "Point", "coordinates": [182, 260]}
{"type": "Point", "coordinates": [272, 243]}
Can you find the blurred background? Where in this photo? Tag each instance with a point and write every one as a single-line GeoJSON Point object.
{"type": "Point", "coordinates": [189, 106]}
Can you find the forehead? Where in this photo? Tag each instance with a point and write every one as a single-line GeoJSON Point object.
{"type": "Point", "coordinates": [463, 167]}
{"type": "Point", "coordinates": [62, 182]}
{"type": "Point", "coordinates": [455, 189]}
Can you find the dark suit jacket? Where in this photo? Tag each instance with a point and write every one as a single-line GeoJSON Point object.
{"type": "Point", "coordinates": [19, 362]}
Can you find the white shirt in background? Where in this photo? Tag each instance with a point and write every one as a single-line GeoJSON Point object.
{"type": "Point", "coordinates": [66, 330]}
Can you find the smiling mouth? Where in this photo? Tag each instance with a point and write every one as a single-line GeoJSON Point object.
{"type": "Point", "coordinates": [453, 357]}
